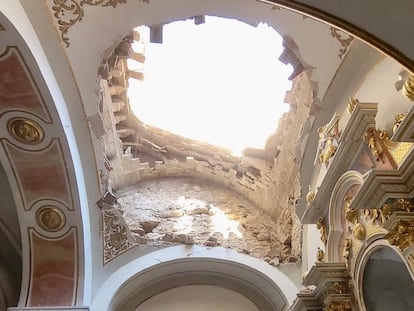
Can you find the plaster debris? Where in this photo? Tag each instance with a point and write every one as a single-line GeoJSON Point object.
{"type": "Point", "coordinates": [190, 211]}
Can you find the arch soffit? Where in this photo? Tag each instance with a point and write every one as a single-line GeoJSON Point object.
{"type": "Point", "coordinates": [41, 163]}
{"type": "Point", "coordinates": [167, 268]}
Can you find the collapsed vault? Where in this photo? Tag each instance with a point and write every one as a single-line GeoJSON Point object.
{"type": "Point", "coordinates": [136, 153]}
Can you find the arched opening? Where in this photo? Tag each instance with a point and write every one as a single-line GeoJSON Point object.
{"type": "Point", "coordinates": [156, 153]}
{"type": "Point", "coordinates": [217, 80]}
{"type": "Point", "coordinates": [198, 298]}
{"type": "Point", "coordinates": [131, 285]}
{"type": "Point", "coordinates": [387, 284]}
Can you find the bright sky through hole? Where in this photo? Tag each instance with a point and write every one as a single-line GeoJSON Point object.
{"type": "Point", "coordinates": [220, 82]}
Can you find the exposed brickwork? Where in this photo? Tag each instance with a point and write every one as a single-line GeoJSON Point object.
{"type": "Point", "coordinates": [268, 178]}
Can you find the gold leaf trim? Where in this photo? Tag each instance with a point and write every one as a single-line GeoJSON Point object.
{"type": "Point", "coordinates": [50, 218]}
{"type": "Point", "coordinates": [352, 104]}
{"type": "Point", "coordinates": [408, 88]}
{"type": "Point", "coordinates": [69, 12]}
{"type": "Point", "coordinates": [402, 235]}
{"type": "Point", "coordinates": [25, 130]}
{"type": "Point", "coordinates": [343, 39]}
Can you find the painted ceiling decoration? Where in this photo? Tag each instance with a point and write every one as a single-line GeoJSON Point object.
{"type": "Point", "coordinates": [344, 39]}
{"type": "Point", "coordinates": [70, 12]}
{"type": "Point", "coordinates": [34, 155]}
{"type": "Point", "coordinates": [117, 238]}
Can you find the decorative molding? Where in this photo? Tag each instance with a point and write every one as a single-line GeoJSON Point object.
{"type": "Point", "coordinates": [380, 185]}
{"type": "Point", "coordinates": [351, 214]}
{"type": "Point", "coordinates": [320, 255]}
{"type": "Point", "coordinates": [328, 141]}
{"type": "Point", "coordinates": [399, 118]}
{"type": "Point", "coordinates": [70, 12]}
{"type": "Point", "coordinates": [334, 271]}
{"type": "Point", "coordinates": [344, 40]}
{"type": "Point", "coordinates": [404, 131]}
{"type": "Point", "coordinates": [328, 285]}
{"type": "Point", "coordinates": [321, 225]}
{"type": "Point", "coordinates": [117, 238]}
{"type": "Point", "coordinates": [50, 218]}
{"type": "Point", "coordinates": [378, 217]}
{"type": "Point", "coordinates": [410, 260]}
{"type": "Point", "coordinates": [397, 150]}
{"type": "Point", "coordinates": [310, 196]}
{"type": "Point", "coordinates": [408, 88]}
{"type": "Point", "coordinates": [371, 138]}
{"type": "Point", "coordinates": [350, 144]}
{"type": "Point", "coordinates": [26, 131]}
{"type": "Point", "coordinates": [347, 252]}
{"type": "Point", "coordinates": [351, 105]}
{"type": "Point", "coordinates": [339, 305]}
{"type": "Point", "coordinates": [360, 232]}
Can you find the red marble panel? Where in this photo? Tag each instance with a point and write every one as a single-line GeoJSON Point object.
{"type": "Point", "coordinates": [40, 174]}
{"type": "Point", "coordinates": [17, 88]}
{"type": "Point", "coordinates": [53, 267]}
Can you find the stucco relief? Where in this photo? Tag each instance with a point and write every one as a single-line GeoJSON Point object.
{"type": "Point", "coordinates": [69, 12]}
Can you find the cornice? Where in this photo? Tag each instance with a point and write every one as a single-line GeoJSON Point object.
{"type": "Point", "coordinates": [405, 131]}
{"type": "Point", "coordinates": [379, 185]}
{"type": "Point", "coordinates": [350, 143]}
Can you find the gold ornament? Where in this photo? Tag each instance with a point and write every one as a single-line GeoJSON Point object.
{"type": "Point", "coordinates": [408, 88]}
{"type": "Point", "coordinates": [338, 306]}
{"type": "Point", "coordinates": [360, 232]}
{"type": "Point", "coordinates": [25, 130]}
{"type": "Point", "coordinates": [321, 225]}
{"type": "Point", "coordinates": [347, 252]}
{"type": "Point", "coordinates": [351, 214]}
{"type": "Point", "coordinates": [402, 235]}
{"type": "Point", "coordinates": [320, 255]}
{"type": "Point", "coordinates": [310, 196]}
{"type": "Point", "coordinates": [352, 104]}
{"type": "Point", "coordinates": [372, 139]}
{"type": "Point", "coordinates": [398, 120]}
{"type": "Point", "coordinates": [50, 218]}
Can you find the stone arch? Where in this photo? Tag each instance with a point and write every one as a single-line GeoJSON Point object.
{"type": "Point", "coordinates": [337, 225]}
{"type": "Point", "coordinates": [42, 166]}
{"type": "Point", "coordinates": [178, 266]}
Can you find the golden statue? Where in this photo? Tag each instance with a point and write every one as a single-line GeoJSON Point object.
{"type": "Point", "coordinates": [328, 141]}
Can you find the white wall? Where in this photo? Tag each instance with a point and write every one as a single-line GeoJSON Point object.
{"type": "Point", "coordinates": [198, 298]}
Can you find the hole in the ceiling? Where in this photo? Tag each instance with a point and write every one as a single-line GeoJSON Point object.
{"type": "Point", "coordinates": [214, 80]}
